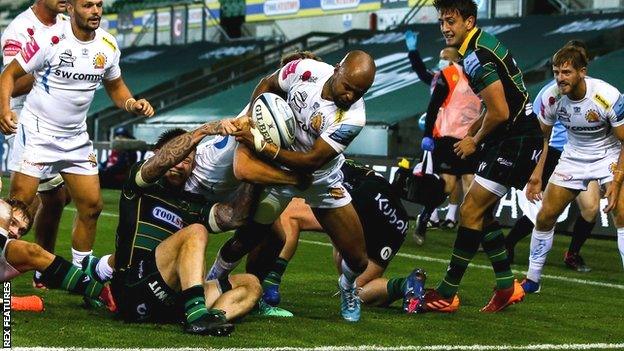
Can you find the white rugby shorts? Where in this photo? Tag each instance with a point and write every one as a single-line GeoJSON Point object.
{"type": "Point", "coordinates": [45, 156]}
{"type": "Point", "coordinates": [575, 170]}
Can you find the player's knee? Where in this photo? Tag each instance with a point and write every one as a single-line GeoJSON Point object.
{"type": "Point", "coordinates": [468, 212]}
{"type": "Point", "coordinates": [618, 216]}
{"type": "Point", "coordinates": [91, 210]}
{"type": "Point", "coordinates": [589, 211]}
{"type": "Point", "coordinates": [197, 233]}
{"type": "Point", "coordinates": [545, 218]}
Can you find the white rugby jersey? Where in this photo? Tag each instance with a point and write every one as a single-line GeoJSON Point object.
{"type": "Point", "coordinates": [316, 117]}
{"type": "Point", "coordinates": [67, 72]}
{"type": "Point", "coordinates": [589, 121]}
{"type": "Point", "coordinates": [16, 35]}
{"type": "Point", "coordinates": [213, 175]}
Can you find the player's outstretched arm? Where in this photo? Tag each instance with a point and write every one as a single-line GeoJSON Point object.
{"type": "Point", "coordinates": [615, 186]}
{"type": "Point", "coordinates": [122, 98]}
{"type": "Point", "coordinates": [249, 168]}
{"type": "Point", "coordinates": [177, 149]}
{"type": "Point", "coordinates": [8, 119]}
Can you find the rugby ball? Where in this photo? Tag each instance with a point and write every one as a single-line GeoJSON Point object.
{"type": "Point", "coordinates": [274, 119]}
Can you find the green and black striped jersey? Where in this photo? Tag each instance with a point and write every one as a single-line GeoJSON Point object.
{"type": "Point", "coordinates": [150, 214]}
{"type": "Point", "coordinates": [485, 61]}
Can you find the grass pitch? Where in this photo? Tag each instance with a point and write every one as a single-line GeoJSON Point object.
{"type": "Point", "coordinates": [572, 307]}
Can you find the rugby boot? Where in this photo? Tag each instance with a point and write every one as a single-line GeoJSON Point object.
{"type": "Point", "coordinates": [271, 294]}
{"type": "Point", "coordinates": [530, 287]}
{"type": "Point", "coordinates": [448, 224]}
{"type": "Point", "coordinates": [414, 296]}
{"type": "Point", "coordinates": [350, 304]}
{"type": "Point", "coordinates": [214, 323]}
{"type": "Point", "coordinates": [434, 302]}
{"type": "Point", "coordinates": [575, 261]}
{"type": "Point", "coordinates": [503, 298]}
{"type": "Point", "coordinates": [266, 310]}
{"type": "Point", "coordinates": [106, 297]}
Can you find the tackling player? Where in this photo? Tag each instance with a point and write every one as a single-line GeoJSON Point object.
{"type": "Point", "coordinates": [68, 63]}
{"type": "Point", "coordinates": [385, 223]}
{"type": "Point", "coordinates": [593, 113]}
{"type": "Point", "coordinates": [162, 236]}
{"type": "Point", "coordinates": [511, 141]}
{"type": "Point", "coordinates": [53, 196]}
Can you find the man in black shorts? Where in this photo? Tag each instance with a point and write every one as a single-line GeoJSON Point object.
{"type": "Point", "coordinates": [511, 141]}
{"type": "Point", "coordinates": [162, 237]}
{"type": "Point", "coordinates": [385, 223]}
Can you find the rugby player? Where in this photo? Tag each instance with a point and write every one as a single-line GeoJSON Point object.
{"type": "Point", "coordinates": [588, 201]}
{"type": "Point", "coordinates": [53, 197]}
{"type": "Point", "coordinates": [510, 136]}
{"type": "Point", "coordinates": [162, 237]}
{"type": "Point", "coordinates": [69, 61]}
{"type": "Point", "coordinates": [19, 256]}
{"type": "Point", "coordinates": [592, 111]}
{"type": "Point", "coordinates": [329, 110]}
{"type": "Point", "coordinates": [385, 223]}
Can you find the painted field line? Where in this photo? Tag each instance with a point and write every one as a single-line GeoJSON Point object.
{"type": "Point", "coordinates": [595, 346]}
{"type": "Point", "coordinates": [480, 266]}
{"type": "Point", "coordinates": [103, 213]}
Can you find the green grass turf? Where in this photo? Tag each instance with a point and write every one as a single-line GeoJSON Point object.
{"type": "Point", "coordinates": [565, 312]}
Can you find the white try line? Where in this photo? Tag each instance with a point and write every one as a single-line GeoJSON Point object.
{"type": "Point", "coordinates": [595, 346]}
{"type": "Point", "coordinates": [439, 260]}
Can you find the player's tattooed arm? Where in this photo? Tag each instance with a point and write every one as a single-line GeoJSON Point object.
{"type": "Point", "coordinates": [178, 148]}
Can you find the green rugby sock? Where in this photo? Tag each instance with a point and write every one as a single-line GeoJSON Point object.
{"type": "Point", "coordinates": [396, 289]}
{"type": "Point", "coordinates": [464, 250]}
{"type": "Point", "coordinates": [194, 303]}
{"type": "Point", "coordinates": [61, 274]}
{"type": "Point", "coordinates": [494, 246]}
{"type": "Point", "coordinates": [274, 277]}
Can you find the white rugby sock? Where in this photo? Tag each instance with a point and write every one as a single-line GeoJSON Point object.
{"type": "Point", "coordinates": [451, 213]}
{"type": "Point", "coordinates": [220, 268]}
{"type": "Point", "coordinates": [541, 243]}
{"type": "Point", "coordinates": [620, 233]}
{"type": "Point", "coordinates": [348, 276]}
{"type": "Point", "coordinates": [434, 216]}
{"type": "Point", "coordinates": [103, 269]}
{"type": "Point", "coordinates": [78, 256]}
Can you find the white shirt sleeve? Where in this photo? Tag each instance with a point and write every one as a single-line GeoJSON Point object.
{"type": "Point", "coordinates": [616, 114]}
{"type": "Point", "coordinates": [12, 43]}
{"type": "Point", "coordinates": [113, 71]}
{"type": "Point", "coordinates": [345, 126]}
{"type": "Point", "coordinates": [33, 54]}
{"type": "Point", "coordinates": [547, 113]}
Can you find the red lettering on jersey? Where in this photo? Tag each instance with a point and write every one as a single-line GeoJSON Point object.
{"type": "Point", "coordinates": [30, 50]}
{"type": "Point", "coordinates": [290, 68]}
{"type": "Point", "coordinates": [11, 48]}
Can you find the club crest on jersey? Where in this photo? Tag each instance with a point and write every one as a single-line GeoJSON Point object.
{"type": "Point", "coordinates": [337, 192]}
{"type": "Point", "coordinates": [167, 217]}
{"type": "Point", "coordinates": [99, 61]}
{"type": "Point", "coordinates": [317, 122]}
{"type": "Point", "coordinates": [67, 59]}
{"type": "Point", "coordinates": [297, 101]}
{"type": "Point", "coordinates": [592, 116]}
{"type": "Point", "coordinates": [613, 167]}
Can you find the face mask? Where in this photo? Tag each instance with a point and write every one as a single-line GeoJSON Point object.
{"type": "Point", "coordinates": [442, 64]}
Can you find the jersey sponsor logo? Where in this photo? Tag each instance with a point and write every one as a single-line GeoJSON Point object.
{"type": "Point", "coordinates": [308, 77]}
{"type": "Point", "coordinates": [168, 217]}
{"type": "Point", "coordinates": [297, 101]}
{"type": "Point", "coordinates": [592, 116]}
{"type": "Point", "coordinates": [158, 292]}
{"type": "Point", "coordinates": [99, 61]}
{"type": "Point", "coordinates": [577, 109]}
{"type": "Point", "coordinates": [67, 59]}
{"type": "Point", "coordinates": [582, 129]}
{"type": "Point", "coordinates": [93, 160]}
{"type": "Point", "coordinates": [504, 162]}
{"type": "Point", "coordinates": [339, 115]}
{"type": "Point", "coordinates": [386, 208]}
{"type": "Point", "coordinates": [345, 134]}
{"type": "Point", "coordinates": [471, 64]}
{"type": "Point", "coordinates": [536, 155]}
{"type": "Point", "coordinates": [85, 52]}
{"type": "Point", "coordinates": [79, 76]}
{"type": "Point", "coordinates": [142, 309]}
{"type": "Point", "coordinates": [30, 49]}
{"type": "Point", "coordinates": [602, 101]}
{"type": "Point", "coordinates": [563, 114]}
{"type": "Point", "coordinates": [11, 48]}
{"type": "Point", "coordinates": [385, 253]}
{"type": "Point", "coordinates": [109, 43]}
{"type": "Point", "coordinates": [290, 68]}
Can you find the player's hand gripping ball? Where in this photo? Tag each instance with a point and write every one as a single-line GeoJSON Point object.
{"type": "Point", "coordinates": [274, 120]}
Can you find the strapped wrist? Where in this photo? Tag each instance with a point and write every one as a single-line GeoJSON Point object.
{"type": "Point", "coordinates": [131, 101]}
